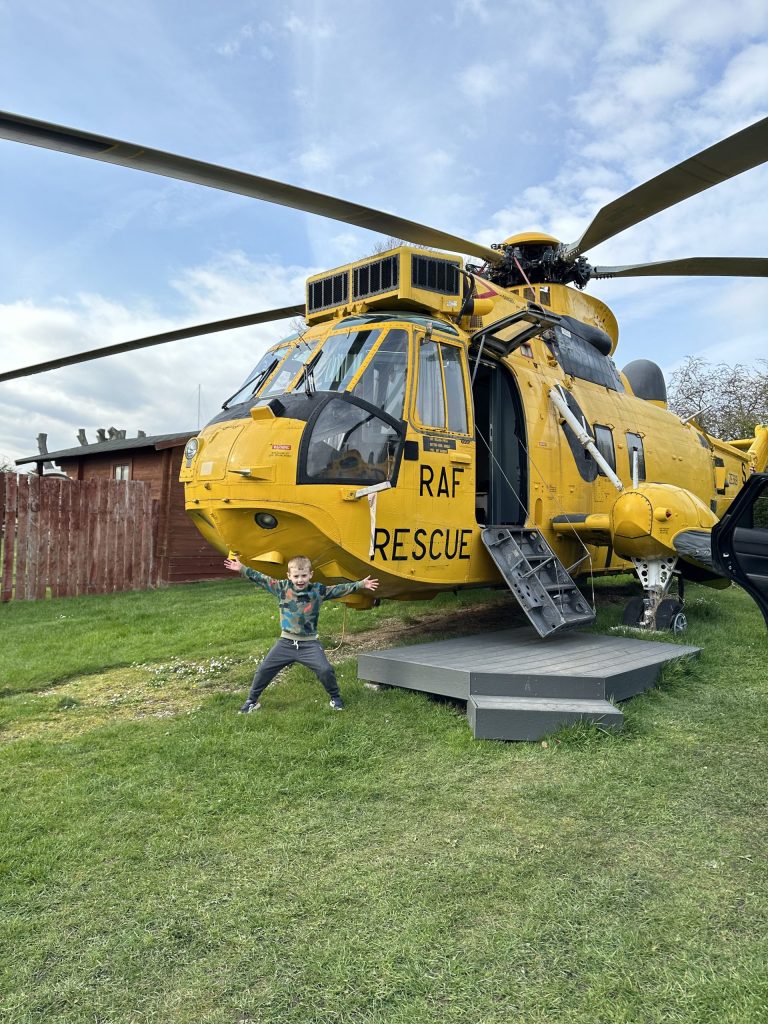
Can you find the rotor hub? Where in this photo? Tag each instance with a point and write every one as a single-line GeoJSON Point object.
{"type": "Point", "coordinates": [537, 259]}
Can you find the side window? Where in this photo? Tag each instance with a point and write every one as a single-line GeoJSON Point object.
{"type": "Point", "coordinates": [635, 445]}
{"type": "Point", "coordinates": [349, 444]}
{"type": "Point", "coordinates": [454, 389]}
{"type": "Point", "coordinates": [430, 404]}
{"type": "Point", "coordinates": [122, 472]}
{"type": "Point", "coordinates": [441, 400]}
{"type": "Point", "coordinates": [604, 444]}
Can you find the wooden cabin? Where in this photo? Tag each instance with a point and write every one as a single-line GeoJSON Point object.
{"type": "Point", "coordinates": [182, 554]}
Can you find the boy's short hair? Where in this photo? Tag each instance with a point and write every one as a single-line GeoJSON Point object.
{"type": "Point", "coordinates": [300, 562]}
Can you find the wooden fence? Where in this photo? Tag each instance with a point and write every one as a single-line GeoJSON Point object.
{"type": "Point", "coordinates": [63, 537]}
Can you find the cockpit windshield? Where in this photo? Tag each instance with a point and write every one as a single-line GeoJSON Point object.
{"type": "Point", "coordinates": [338, 363]}
{"type": "Point", "coordinates": [259, 373]}
{"type": "Point", "coordinates": [288, 369]}
{"type": "Point", "coordinates": [383, 381]}
{"type": "Point", "coordinates": [342, 357]}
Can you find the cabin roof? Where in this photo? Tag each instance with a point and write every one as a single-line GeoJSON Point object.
{"type": "Point", "coordinates": [119, 444]}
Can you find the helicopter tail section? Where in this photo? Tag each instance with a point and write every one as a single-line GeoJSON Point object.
{"type": "Point", "coordinates": [756, 448]}
{"type": "Point", "coordinates": [538, 579]}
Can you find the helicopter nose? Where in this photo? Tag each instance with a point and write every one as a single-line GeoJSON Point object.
{"type": "Point", "coordinates": [632, 516]}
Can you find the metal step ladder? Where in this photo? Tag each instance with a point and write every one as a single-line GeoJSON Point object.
{"type": "Point", "coordinates": [538, 579]}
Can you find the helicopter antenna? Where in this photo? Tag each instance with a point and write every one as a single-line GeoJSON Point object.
{"type": "Point", "coordinates": [696, 414]}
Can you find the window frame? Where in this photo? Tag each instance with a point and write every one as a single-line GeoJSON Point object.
{"type": "Point", "coordinates": [416, 420]}
{"type": "Point", "coordinates": [399, 426]}
{"type": "Point", "coordinates": [642, 468]}
{"type": "Point", "coordinates": [607, 431]}
{"type": "Point", "coordinates": [363, 368]}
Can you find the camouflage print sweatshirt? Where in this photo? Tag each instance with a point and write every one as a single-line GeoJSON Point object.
{"type": "Point", "coordinates": [299, 609]}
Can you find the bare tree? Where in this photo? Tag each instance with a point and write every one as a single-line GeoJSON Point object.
{"type": "Point", "coordinates": [385, 244]}
{"type": "Point", "coordinates": [729, 400]}
{"type": "Point", "coordinates": [6, 464]}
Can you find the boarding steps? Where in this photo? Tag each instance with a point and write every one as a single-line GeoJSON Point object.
{"type": "Point", "coordinates": [538, 579]}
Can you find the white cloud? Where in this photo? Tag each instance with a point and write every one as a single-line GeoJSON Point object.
{"type": "Point", "coordinates": [480, 83]}
{"type": "Point", "coordinates": [316, 29]}
{"type": "Point", "coordinates": [475, 9]}
{"type": "Point", "coordinates": [634, 28]}
{"type": "Point", "coordinates": [153, 389]}
{"type": "Point", "coordinates": [316, 159]}
{"type": "Point", "coordinates": [742, 88]}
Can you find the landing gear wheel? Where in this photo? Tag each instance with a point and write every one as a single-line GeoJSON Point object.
{"type": "Point", "coordinates": [634, 612]}
{"type": "Point", "coordinates": [679, 623]}
{"type": "Point", "coordinates": [670, 616]}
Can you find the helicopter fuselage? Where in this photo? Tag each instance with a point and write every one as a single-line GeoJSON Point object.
{"type": "Point", "coordinates": [382, 441]}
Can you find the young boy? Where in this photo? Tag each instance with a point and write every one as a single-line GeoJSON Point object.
{"type": "Point", "coordinates": [300, 603]}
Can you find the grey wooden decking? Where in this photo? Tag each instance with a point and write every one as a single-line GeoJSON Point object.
{"type": "Point", "coordinates": [520, 687]}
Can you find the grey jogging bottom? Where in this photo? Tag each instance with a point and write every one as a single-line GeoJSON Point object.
{"type": "Point", "coordinates": [287, 652]}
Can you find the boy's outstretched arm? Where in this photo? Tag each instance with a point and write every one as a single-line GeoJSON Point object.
{"type": "Point", "coordinates": [265, 582]}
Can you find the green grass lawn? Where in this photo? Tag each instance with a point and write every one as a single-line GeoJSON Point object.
{"type": "Point", "coordinates": [166, 860]}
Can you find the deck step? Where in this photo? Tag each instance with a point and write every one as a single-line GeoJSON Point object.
{"type": "Point", "coordinates": [532, 718]}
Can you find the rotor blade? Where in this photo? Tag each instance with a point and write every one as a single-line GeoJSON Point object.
{"type": "Point", "coordinates": [724, 160]}
{"type": "Point", "coordinates": [99, 147]}
{"type": "Point", "coordinates": [155, 339]}
{"type": "Point", "coordinates": [695, 266]}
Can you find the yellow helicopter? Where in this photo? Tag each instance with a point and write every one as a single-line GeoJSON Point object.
{"type": "Point", "coordinates": [444, 424]}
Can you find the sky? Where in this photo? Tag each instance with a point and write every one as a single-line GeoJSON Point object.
{"type": "Point", "coordinates": [482, 119]}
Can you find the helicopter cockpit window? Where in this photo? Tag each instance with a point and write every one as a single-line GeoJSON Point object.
{"type": "Point", "coordinates": [441, 400]}
{"type": "Point", "coordinates": [341, 358]}
{"type": "Point", "coordinates": [604, 444]}
{"type": "Point", "coordinates": [350, 444]}
{"type": "Point", "coordinates": [383, 380]}
{"type": "Point", "coordinates": [635, 445]}
{"type": "Point", "coordinates": [288, 369]}
{"type": "Point", "coordinates": [258, 374]}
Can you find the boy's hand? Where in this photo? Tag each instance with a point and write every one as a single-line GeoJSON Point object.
{"type": "Point", "coordinates": [233, 564]}
{"type": "Point", "coordinates": [370, 584]}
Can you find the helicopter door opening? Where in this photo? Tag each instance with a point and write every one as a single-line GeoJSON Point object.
{"type": "Point", "coordinates": [502, 475]}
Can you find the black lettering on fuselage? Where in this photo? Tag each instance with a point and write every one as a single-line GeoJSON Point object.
{"type": "Point", "coordinates": [448, 552]}
{"type": "Point", "coordinates": [397, 546]}
{"type": "Point", "coordinates": [446, 488]}
{"type": "Point", "coordinates": [465, 535]}
{"type": "Point", "coordinates": [436, 545]}
{"type": "Point", "coordinates": [380, 545]}
{"type": "Point", "coordinates": [420, 544]}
